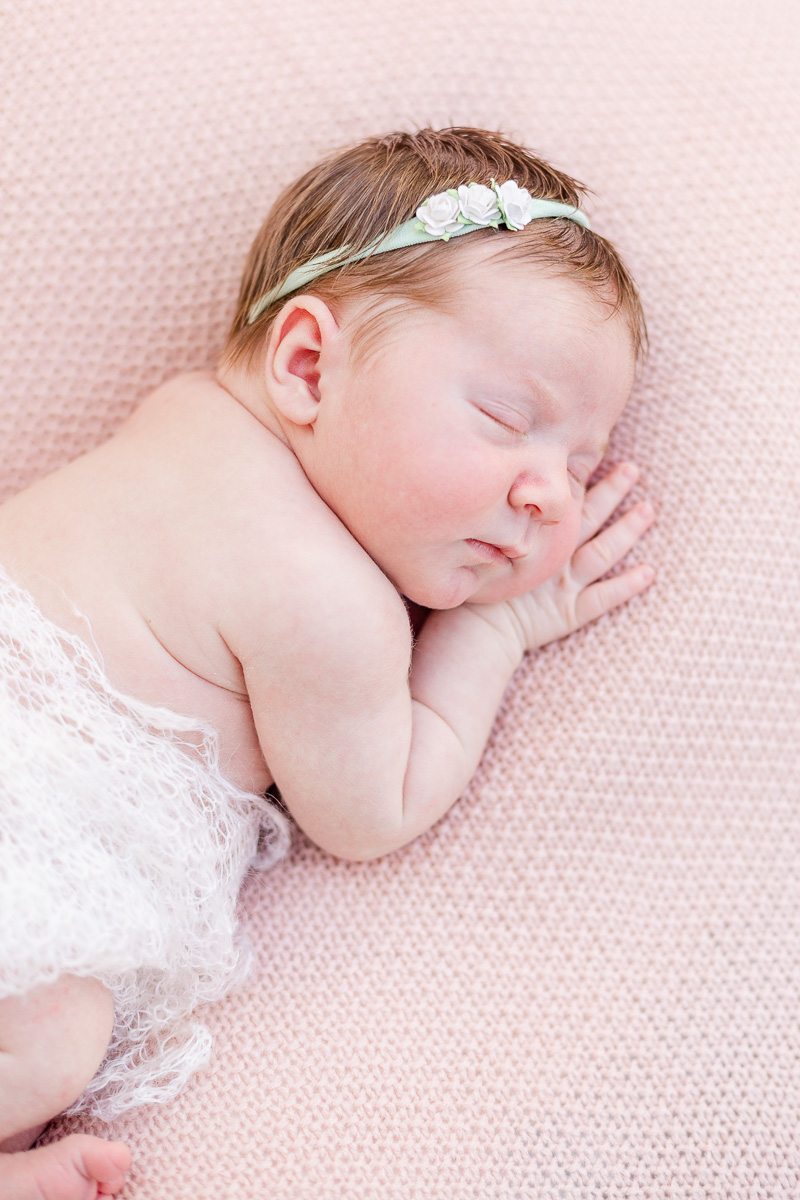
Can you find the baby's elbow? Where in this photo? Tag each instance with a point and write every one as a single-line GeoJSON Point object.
{"type": "Point", "coordinates": [362, 849]}
{"type": "Point", "coordinates": [366, 854]}
{"type": "Point", "coordinates": [356, 856]}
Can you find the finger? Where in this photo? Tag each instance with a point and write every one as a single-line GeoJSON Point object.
{"type": "Point", "coordinates": [597, 556]}
{"type": "Point", "coordinates": [598, 599]}
{"type": "Point", "coordinates": [604, 497]}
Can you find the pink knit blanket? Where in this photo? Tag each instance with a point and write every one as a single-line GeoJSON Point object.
{"type": "Point", "coordinates": [585, 981]}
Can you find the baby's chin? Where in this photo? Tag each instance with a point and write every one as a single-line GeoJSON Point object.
{"type": "Point", "coordinates": [466, 585]}
{"type": "Point", "coordinates": [448, 590]}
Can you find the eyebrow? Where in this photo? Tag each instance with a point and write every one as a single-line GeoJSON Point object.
{"type": "Point", "coordinates": [534, 386]}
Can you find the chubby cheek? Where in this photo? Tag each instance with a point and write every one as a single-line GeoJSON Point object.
{"type": "Point", "coordinates": [448, 493]}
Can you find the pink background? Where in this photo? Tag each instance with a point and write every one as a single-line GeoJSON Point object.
{"type": "Point", "coordinates": [585, 981]}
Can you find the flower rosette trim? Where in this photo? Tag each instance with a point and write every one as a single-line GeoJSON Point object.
{"type": "Point", "coordinates": [478, 205]}
{"type": "Point", "coordinates": [514, 202]}
{"type": "Point", "coordinates": [439, 215]}
{"type": "Point", "coordinates": [474, 204]}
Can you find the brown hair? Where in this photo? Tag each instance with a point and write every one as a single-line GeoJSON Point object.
{"type": "Point", "coordinates": [353, 196]}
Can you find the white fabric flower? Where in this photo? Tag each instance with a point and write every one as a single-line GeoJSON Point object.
{"type": "Point", "coordinates": [439, 214]}
{"type": "Point", "coordinates": [478, 204]}
{"type": "Point", "coordinates": [515, 203]}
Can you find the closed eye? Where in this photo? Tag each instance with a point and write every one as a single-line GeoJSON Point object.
{"type": "Point", "coordinates": [519, 433]}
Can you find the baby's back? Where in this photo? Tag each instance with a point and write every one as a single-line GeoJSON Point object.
{"type": "Point", "coordinates": [140, 545]}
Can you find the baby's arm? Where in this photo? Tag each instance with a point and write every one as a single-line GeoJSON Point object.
{"type": "Point", "coordinates": [465, 658]}
{"type": "Point", "coordinates": [365, 763]}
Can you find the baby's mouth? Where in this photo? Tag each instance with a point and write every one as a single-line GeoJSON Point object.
{"type": "Point", "coordinates": [488, 552]}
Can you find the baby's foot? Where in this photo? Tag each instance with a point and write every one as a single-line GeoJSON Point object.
{"type": "Point", "coordinates": [77, 1168]}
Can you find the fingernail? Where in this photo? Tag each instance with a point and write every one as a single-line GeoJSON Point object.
{"type": "Point", "coordinates": [645, 512]}
{"type": "Point", "coordinates": [647, 573]}
{"type": "Point", "coordinates": [629, 471]}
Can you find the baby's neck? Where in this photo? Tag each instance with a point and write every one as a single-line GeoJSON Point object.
{"type": "Point", "coordinates": [246, 387]}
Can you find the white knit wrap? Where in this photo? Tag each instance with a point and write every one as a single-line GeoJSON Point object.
{"type": "Point", "coordinates": [122, 852]}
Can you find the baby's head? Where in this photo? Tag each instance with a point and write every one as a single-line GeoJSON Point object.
{"type": "Point", "coordinates": [448, 396]}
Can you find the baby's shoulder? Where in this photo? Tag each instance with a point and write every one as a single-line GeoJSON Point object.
{"type": "Point", "coordinates": [191, 438]}
{"type": "Point", "coordinates": [279, 565]}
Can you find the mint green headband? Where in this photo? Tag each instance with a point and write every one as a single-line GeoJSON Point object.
{"type": "Point", "coordinates": [445, 215]}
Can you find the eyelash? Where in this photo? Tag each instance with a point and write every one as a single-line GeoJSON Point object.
{"type": "Point", "coordinates": [520, 433]}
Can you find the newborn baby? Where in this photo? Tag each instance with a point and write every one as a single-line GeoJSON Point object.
{"type": "Point", "coordinates": [217, 599]}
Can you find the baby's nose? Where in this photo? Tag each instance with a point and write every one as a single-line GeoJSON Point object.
{"type": "Point", "coordinates": [545, 496]}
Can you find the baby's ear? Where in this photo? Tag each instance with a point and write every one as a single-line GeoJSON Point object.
{"type": "Point", "coordinates": [303, 335]}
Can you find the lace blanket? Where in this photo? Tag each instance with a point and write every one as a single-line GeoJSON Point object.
{"type": "Point", "coordinates": [122, 852]}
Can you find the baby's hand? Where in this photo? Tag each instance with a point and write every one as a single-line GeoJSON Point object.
{"type": "Point", "coordinates": [578, 594]}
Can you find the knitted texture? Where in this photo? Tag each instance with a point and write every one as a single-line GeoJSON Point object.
{"type": "Point", "coordinates": [122, 853]}
{"type": "Point", "coordinates": [585, 981]}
